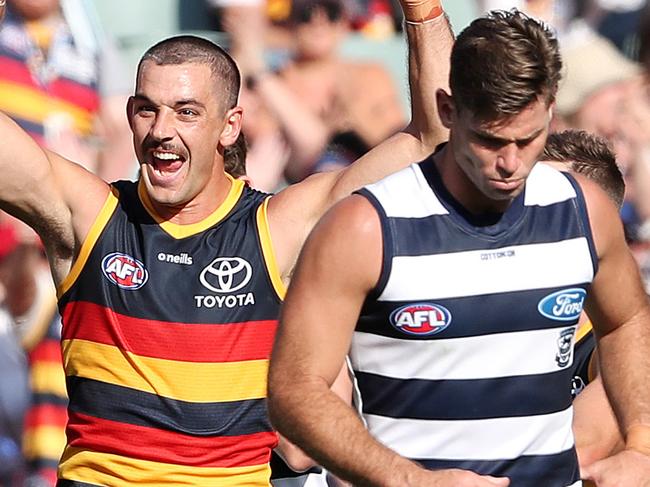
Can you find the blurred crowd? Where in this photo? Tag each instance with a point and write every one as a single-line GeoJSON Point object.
{"type": "Point", "coordinates": [307, 109]}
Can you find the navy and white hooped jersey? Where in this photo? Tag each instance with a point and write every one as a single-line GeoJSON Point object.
{"type": "Point", "coordinates": [463, 352]}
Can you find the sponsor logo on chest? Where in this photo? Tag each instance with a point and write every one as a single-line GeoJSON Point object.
{"type": "Point", "coordinates": [564, 305]}
{"type": "Point", "coordinates": [226, 278]}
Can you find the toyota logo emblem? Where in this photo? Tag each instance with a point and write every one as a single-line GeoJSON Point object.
{"type": "Point", "coordinates": [226, 274]}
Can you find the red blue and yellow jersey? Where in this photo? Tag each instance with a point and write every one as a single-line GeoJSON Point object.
{"type": "Point", "coordinates": [167, 333]}
{"type": "Point", "coordinates": [58, 86]}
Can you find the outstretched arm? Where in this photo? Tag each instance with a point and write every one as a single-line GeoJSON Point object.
{"type": "Point", "coordinates": [54, 196]}
{"type": "Point", "coordinates": [294, 211]}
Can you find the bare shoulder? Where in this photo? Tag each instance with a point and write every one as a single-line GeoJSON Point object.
{"type": "Point", "coordinates": [292, 214]}
{"type": "Point", "coordinates": [347, 242]}
{"type": "Point", "coordinates": [366, 79]}
{"type": "Point", "coordinates": [604, 219]}
{"type": "Point", "coordinates": [366, 70]}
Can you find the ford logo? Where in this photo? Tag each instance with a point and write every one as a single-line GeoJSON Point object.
{"type": "Point", "coordinates": [565, 305]}
{"type": "Point", "coordinates": [421, 319]}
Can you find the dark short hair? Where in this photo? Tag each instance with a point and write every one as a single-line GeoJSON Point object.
{"type": "Point", "coordinates": [234, 157]}
{"type": "Point", "coordinates": [191, 49]}
{"type": "Point", "coordinates": [589, 155]}
{"type": "Point", "coordinates": [501, 63]}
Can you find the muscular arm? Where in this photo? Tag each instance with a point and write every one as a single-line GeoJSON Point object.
{"type": "Point", "coordinates": [294, 211]}
{"type": "Point", "coordinates": [339, 265]}
{"type": "Point", "coordinates": [594, 425]}
{"type": "Point", "coordinates": [54, 196]}
{"type": "Point", "coordinates": [619, 309]}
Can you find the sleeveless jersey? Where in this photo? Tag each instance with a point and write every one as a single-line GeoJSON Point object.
{"type": "Point", "coordinates": [167, 333]}
{"type": "Point", "coordinates": [463, 352]}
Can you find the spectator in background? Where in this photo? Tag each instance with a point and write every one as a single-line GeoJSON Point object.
{"type": "Point", "coordinates": [14, 392]}
{"type": "Point", "coordinates": [64, 84]}
{"type": "Point", "coordinates": [328, 95]}
{"type": "Point", "coordinates": [606, 94]}
{"type": "Point", "coordinates": [62, 81]}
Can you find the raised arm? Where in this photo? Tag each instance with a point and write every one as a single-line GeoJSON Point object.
{"type": "Point", "coordinates": [54, 196]}
{"type": "Point", "coordinates": [620, 313]}
{"type": "Point", "coordinates": [294, 211]}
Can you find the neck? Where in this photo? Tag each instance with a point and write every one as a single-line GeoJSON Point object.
{"type": "Point", "coordinates": [194, 211]}
{"type": "Point", "coordinates": [462, 188]}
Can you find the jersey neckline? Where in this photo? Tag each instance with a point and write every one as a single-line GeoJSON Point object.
{"type": "Point", "coordinates": [179, 231]}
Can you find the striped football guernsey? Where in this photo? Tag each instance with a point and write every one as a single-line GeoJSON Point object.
{"type": "Point", "coordinates": [167, 333]}
{"type": "Point", "coordinates": [62, 88]}
{"type": "Point", "coordinates": [463, 353]}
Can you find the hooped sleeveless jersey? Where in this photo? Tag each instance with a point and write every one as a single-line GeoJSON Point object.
{"type": "Point", "coordinates": [167, 333]}
{"type": "Point", "coordinates": [463, 353]}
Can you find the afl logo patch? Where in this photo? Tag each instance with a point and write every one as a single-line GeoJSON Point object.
{"type": "Point", "coordinates": [421, 319]}
{"type": "Point", "coordinates": [565, 305]}
{"type": "Point", "coordinates": [124, 271]}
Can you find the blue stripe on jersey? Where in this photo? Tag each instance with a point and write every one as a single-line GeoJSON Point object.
{"type": "Point", "coordinates": [439, 234]}
{"type": "Point", "coordinates": [103, 400]}
{"type": "Point", "coordinates": [31, 128]}
{"type": "Point", "coordinates": [48, 399]}
{"type": "Point", "coordinates": [498, 315]}
{"type": "Point", "coordinates": [72, 483]}
{"type": "Point", "coordinates": [525, 471]}
{"type": "Point", "coordinates": [526, 395]}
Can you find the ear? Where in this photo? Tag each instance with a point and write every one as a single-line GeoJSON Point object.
{"type": "Point", "coordinates": [129, 111]}
{"type": "Point", "coordinates": [446, 108]}
{"type": "Point", "coordinates": [551, 110]}
{"type": "Point", "coordinates": [232, 127]}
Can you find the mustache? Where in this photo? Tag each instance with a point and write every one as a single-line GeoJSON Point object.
{"type": "Point", "coordinates": [150, 144]}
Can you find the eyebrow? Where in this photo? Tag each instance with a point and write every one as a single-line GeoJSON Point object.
{"type": "Point", "coordinates": [179, 103]}
{"type": "Point", "coordinates": [495, 138]}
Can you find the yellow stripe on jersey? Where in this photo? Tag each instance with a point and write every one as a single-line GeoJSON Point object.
{"type": "Point", "coordinates": [44, 442]}
{"type": "Point", "coordinates": [106, 469]}
{"type": "Point", "coordinates": [182, 231]}
{"type": "Point", "coordinates": [267, 249]}
{"type": "Point", "coordinates": [35, 106]}
{"type": "Point", "coordinates": [583, 330]}
{"type": "Point", "coordinates": [91, 239]}
{"type": "Point", "coordinates": [47, 378]}
{"type": "Point", "coordinates": [184, 381]}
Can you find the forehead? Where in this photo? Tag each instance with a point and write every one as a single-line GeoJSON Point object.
{"type": "Point", "coordinates": [175, 81]}
{"type": "Point", "coordinates": [529, 120]}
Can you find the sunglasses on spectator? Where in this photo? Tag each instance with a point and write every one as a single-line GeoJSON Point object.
{"type": "Point", "coordinates": [304, 15]}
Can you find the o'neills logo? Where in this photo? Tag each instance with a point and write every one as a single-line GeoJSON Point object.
{"type": "Point", "coordinates": [183, 258]}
